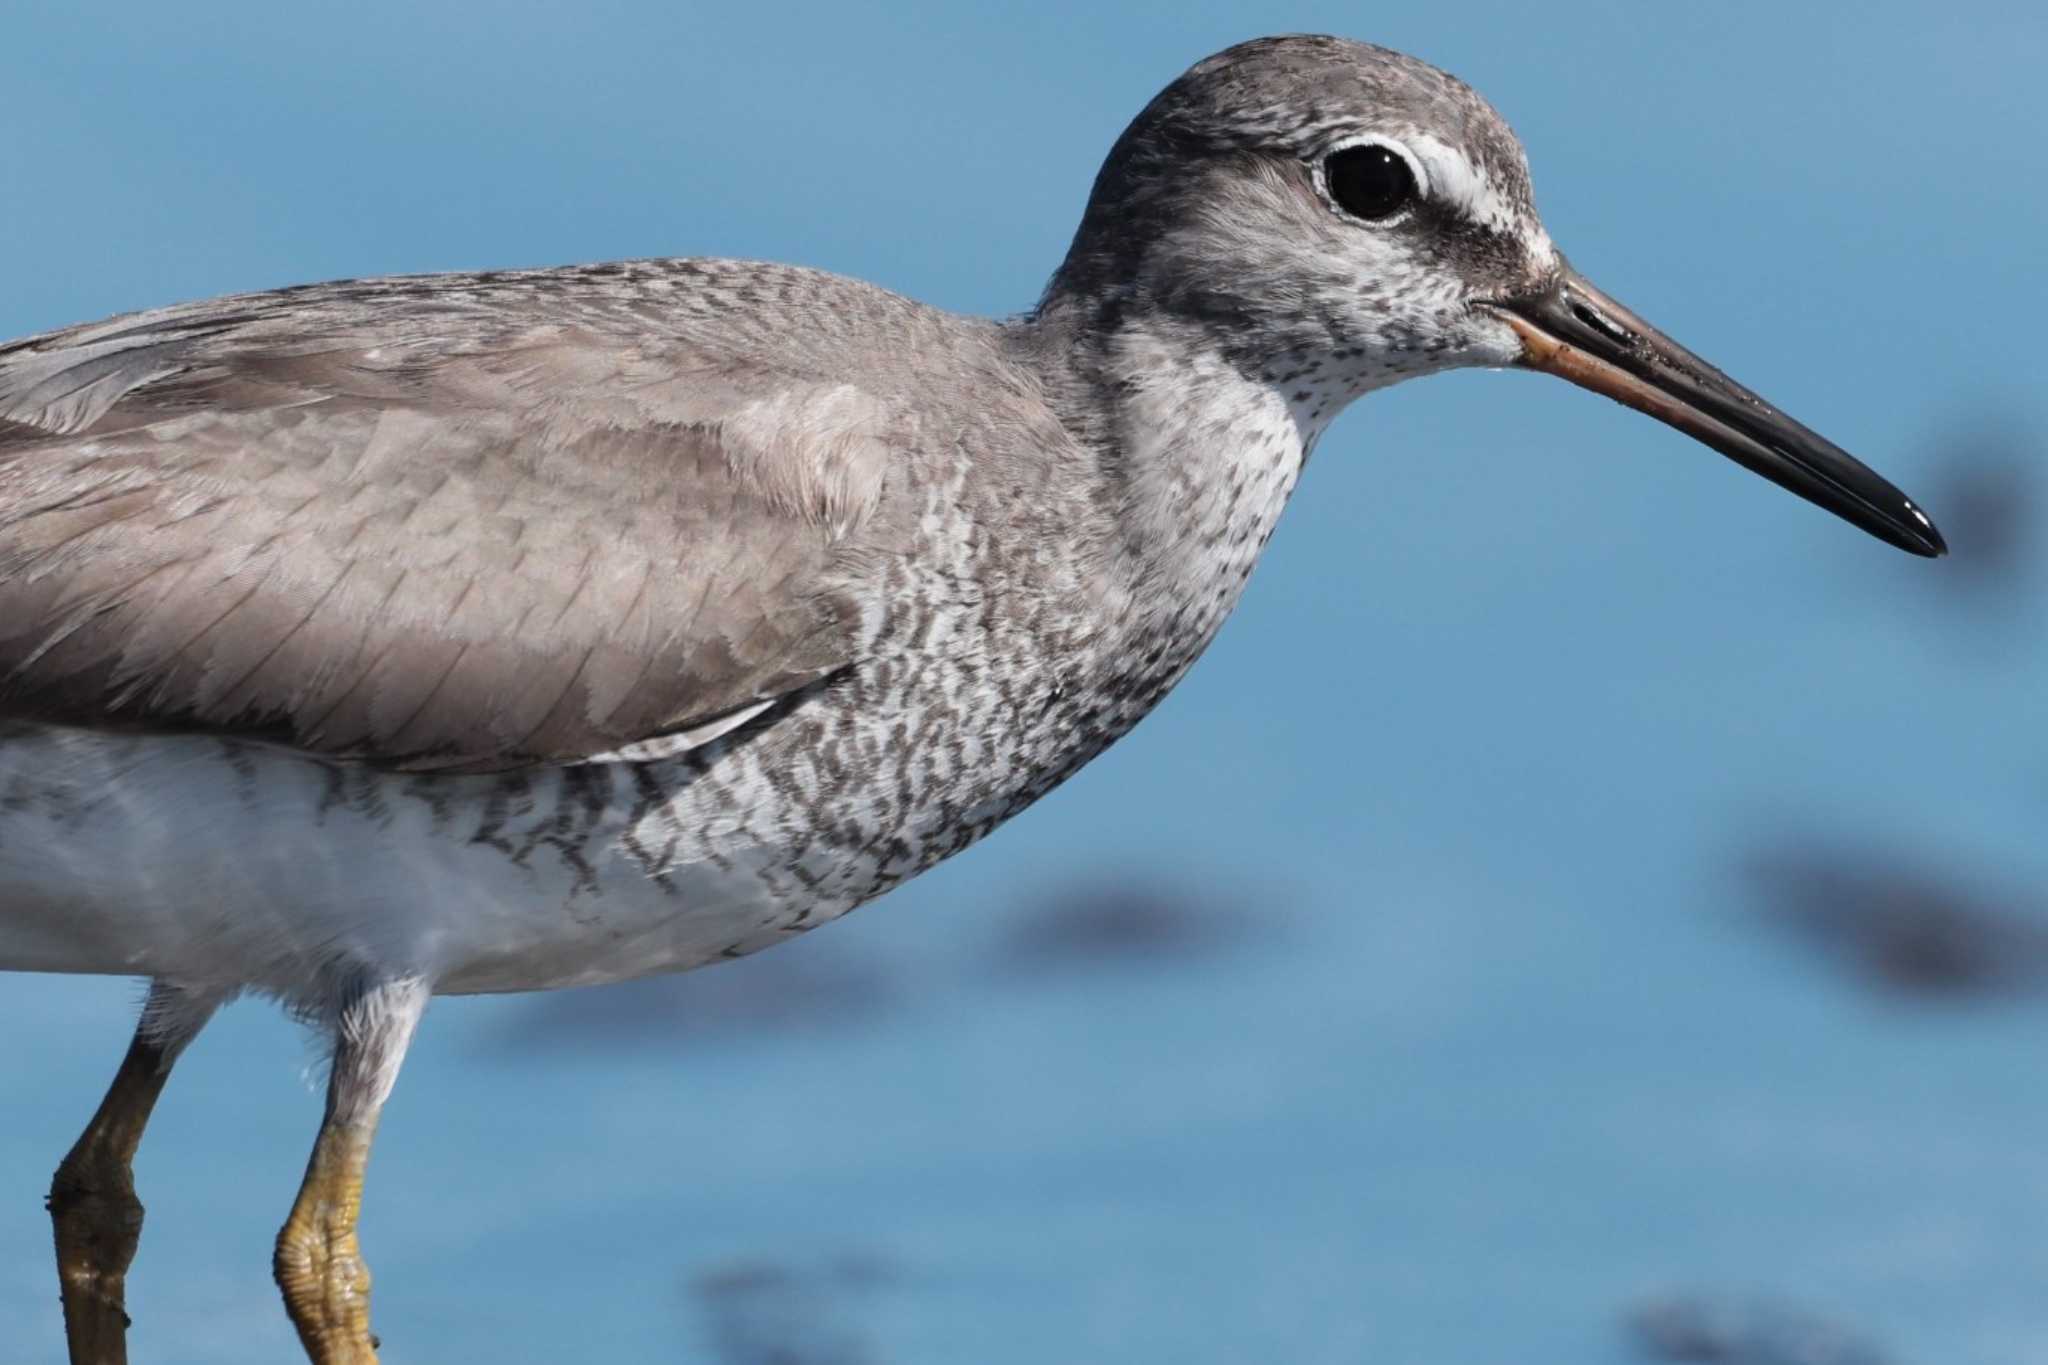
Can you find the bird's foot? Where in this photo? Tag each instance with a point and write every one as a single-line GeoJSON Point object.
{"type": "Point", "coordinates": [318, 1263]}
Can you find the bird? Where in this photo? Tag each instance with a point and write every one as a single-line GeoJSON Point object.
{"type": "Point", "coordinates": [516, 630]}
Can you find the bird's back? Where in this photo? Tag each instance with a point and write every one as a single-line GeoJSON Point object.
{"type": "Point", "coordinates": [467, 521]}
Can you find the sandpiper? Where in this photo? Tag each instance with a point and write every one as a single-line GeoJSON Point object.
{"type": "Point", "coordinates": [508, 631]}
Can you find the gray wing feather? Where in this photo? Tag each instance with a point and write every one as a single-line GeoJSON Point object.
{"type": "Point", "coordinates": [429, 535]}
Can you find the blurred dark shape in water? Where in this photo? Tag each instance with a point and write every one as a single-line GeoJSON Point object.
{"type": "Point", "coordinates": [1743, 1331]}
{"type": "Point", "coordinates": [1902, 928]}
{"type": "Point", "coordinates": [1985, 495]}
{"type": "Point", "coordinates": [1119, 920]}
{"type": "Point", "coordinates": [767, 1313]}
{"type": "Point", "coordinates": [815, 984]}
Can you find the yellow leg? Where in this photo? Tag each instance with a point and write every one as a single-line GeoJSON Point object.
{"type": "Point", "coordinates": [319, 1266]}
{"type": "Point", "coordinates": [94, 1213]}
{"type": "Point", "coordinates": [318, 1263]}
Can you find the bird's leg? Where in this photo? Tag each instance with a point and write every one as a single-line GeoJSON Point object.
{"type": "Point", "coordinates": [93, 1209]}
{"type": "Point", "coordinates": [318, 1264]}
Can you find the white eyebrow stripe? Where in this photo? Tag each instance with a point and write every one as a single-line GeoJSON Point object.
{"type": "Point", "coordinates": [1454, 180]}
{"type": "Point", "coordinates": [1450, 177]}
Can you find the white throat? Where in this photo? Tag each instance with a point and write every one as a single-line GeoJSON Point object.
{"type": "Point", "coordinates": [1209, 459]}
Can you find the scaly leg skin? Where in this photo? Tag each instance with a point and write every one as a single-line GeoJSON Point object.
{"type": "Point", "coordinates": [93, 1209]}
{"type": "Point", "coordinates": [318, 1264]}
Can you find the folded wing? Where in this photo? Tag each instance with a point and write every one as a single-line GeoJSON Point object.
{"type": "Point", "coordinates": [420, 525]}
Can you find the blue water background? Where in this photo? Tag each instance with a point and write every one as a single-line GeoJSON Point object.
{"type": "Point", "coordinates": [1439, 1004]}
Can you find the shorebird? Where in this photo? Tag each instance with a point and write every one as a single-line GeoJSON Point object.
{"type": "Point", "coordinates": [509, 631]}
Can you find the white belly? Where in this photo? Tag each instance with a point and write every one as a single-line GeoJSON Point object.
{"type": "Point", "coordinates": [235, 865]}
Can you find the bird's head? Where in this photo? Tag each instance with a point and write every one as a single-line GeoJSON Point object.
{"type": "Point", "coordinates": [1338, 217]}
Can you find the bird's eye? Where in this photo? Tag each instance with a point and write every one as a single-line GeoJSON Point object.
{"type": "Point", "coordinates": [1369, 181]}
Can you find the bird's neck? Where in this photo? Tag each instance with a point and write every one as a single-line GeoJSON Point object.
{"type": "Point", "coordinates": [1197, 459]}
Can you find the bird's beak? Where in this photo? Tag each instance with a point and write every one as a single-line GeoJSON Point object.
{"type": "Point", "coordinates": [1575, 331]}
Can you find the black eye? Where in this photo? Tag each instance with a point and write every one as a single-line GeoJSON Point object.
{"type": "Point", "coordinates": [1370, 182]}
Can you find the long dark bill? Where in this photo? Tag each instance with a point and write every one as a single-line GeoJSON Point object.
{"type": "Point", "coordinates": [1580, 334]}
